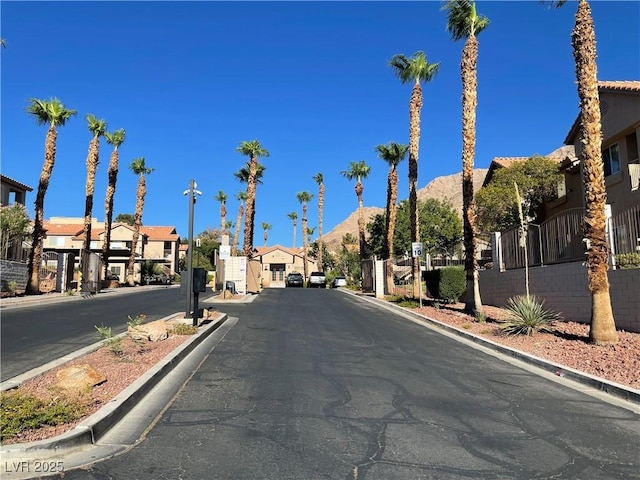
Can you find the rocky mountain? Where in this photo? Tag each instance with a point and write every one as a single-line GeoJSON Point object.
{"type": "Point", "coordinates": [447, 187]}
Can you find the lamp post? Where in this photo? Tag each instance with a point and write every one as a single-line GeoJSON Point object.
{"type": "Point", "coordinates": [192, 200]}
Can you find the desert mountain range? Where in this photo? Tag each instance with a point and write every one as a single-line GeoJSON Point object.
{"type": "Point", "coordinates": [447, 187]}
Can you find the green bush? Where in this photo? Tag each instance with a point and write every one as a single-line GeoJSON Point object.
{"type": "Point", "coordinates": [184, 329]}
{"type": "Point", "coordinates": [527, 315]}
{"type": "Point", "coordinates": [628, 260]}
{"type": "Point", "coordinates": [447, 284]}
{"type": "Point", "coordinates": [20, 412]}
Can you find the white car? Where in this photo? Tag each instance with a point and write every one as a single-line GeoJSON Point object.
{"type": "Point", "coordinates": [339, 282]}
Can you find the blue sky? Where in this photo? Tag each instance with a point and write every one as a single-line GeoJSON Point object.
{"type": "Point", "coordinates": [190, 80]}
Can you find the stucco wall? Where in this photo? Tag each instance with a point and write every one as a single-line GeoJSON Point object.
{"type": "Point", "coordinates": [564, 289]}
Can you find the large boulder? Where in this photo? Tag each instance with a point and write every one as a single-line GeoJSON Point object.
{"type": "Point", "coordinates": [152, 331]}
{"type": "Point", "coordinates": [79, 378]}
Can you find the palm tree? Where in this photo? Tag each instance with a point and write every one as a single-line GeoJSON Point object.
{"type": "Point", "coordinates": [50, 112]}
{"type": "Point", "coordinates": [116, 139]}
{"type": "Point", "coordinates": [138, 167]}
{"type": "Point", "coordinates": [304, 198]}
{"type": "Point", "coordinates": [583, 41]}
{"type": "Point", "coordinates": [319, 179]}
{"type": "Point", "coordinates": [97, 127]}
{"type": "Point", "coordinates": [310, 232]}
{"type": "Point", "coordinates": [359, 170]}
{"type": "Point", "coordinates": [222, 198]}
{"type": "Point", "coordinates": [3, 43]}
{"type": "Point", "coordinates": [463, 22]}
{"type": "Point", "coordinates": [293, 216]}
{"type": "Point", "coordinates": [266, 227]}
{"type": "Point", "coordinates": [253, 150]}
{"type": "Point", "coordinates": [392, 153]}
{"type": "Point", "coordinates": [242, 198]}
{"type": "Point", "coordinates": [415, 69]}
{"type": "Point", "coordinates": [243, 177]}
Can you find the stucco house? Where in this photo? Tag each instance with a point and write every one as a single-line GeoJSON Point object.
{"type": "Point", "coordinates": [277, 262]}
{"type": "Point", "coordinates": [13, 191]}
{"type": "Point", "coordinates": [158, 244]}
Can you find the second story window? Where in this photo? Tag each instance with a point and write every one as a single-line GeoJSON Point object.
{"type": "Point", "coordinates": [611, 159]}
{"type": "Point", "coordinates": [56, 241]}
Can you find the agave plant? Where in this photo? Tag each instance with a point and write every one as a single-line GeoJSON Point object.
{"type": "Point", "coordinates": [527, 316]}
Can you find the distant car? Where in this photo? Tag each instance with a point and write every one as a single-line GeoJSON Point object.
{"type": "Point", "coordinates": [339, 282]}
{"type": "Point", "coordinates": [294, 280]}
{"type": "Point", "coordinates": [161, 278]}
{"type": "Point", "coordinates": [317, 279]}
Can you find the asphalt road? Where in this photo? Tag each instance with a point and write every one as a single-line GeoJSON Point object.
{"type": "Point", "coordinates": [315, 384]}
{"type": "Point", "coordinates": [34, 334]}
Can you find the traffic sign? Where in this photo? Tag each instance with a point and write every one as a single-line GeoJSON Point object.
{"type": "Point", "coordinates": [416, 249]}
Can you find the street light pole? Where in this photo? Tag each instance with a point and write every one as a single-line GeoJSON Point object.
{"type": "Point", "coordinates": [192, 200]}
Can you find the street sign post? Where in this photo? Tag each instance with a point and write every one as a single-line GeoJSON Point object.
{"type": "Point", "coordinates": [416, 251]}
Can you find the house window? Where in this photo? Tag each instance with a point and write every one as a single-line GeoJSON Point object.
{"type": "Point", "coordinates": [117, 245]}
{"type": "Point", "coordinates": [93, 245]}
{"type": "Point", "coordinates": [56, 241]}
{"type": "Point", "coordinates": [611, 159]}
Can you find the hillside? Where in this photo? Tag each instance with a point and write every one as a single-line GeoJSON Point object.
{"type": "Point", "coordinates": [447, 187]}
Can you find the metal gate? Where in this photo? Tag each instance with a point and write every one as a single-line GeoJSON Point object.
{"type": "Point", "coordinates": [48, 271]}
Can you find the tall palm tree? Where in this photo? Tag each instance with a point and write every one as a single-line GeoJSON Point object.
{"type": "Point", "coordinates": [310, 232]}
{"type": "Point", "coordinates": [583, 41]}
{"type": "Point", "coordinates": [463, 22]}
{"type": "Point", "coordinates": [139, 168]}
{"type": "Point", "coordinates": [415, 69]}
{"type": "Point", "coordinates": [50, 112]}
{"type": "Point", "coordinates": [97, 127]}
{"type": "Point", "coordinates": [222, 198]}
{"type": "Point", "coordinates": [242, 198]}
{"type": "Point", "coordinates": [293, 216]}
{"type": "Point", "coordinates": [253, 150]}
{"type": "Point", "coordinates": [392, 153]}
{"type": "Point", "coordinates": [319, 179]}
{"type": "Point", "coordinates": [304, 198]}
{"type": "Point", "coordinates": [266, 227]}
{"type": "Point", "coordinates": [359, 170]}
{"type": "Point", "coordinates": [243, 177]}
{"type": "Point", "coordinates": [115, 139]}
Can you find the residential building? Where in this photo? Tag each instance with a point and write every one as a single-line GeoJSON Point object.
{"type": "Point", "coordinates": [12, 191]}
{"type": "Point", "coordinates": [278, 261]}
{"type": "Point", "coordinates": [158, 244]}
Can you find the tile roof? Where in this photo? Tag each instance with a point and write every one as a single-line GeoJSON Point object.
{"type": "Point", "coordinates": [16, 183]}
{"type": "Point", "coordinates": [626, 85]}
{"type": "Point", "coordinates": [63, 228]}
{"type": "Point", "coordinates": [160, 233]}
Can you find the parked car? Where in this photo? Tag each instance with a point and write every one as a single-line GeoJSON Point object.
{"type": "Point", "coordinates": [339, 282]}
{"type": "Point", "coordinates": [161, 278]}
{"type": "Point", "coordinates": [317, 279]}
{"type": "Point", "coordinates": [294, 280]}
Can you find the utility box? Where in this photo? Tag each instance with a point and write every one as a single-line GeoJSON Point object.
{"type": "Point", "coordinates": [199, 280]}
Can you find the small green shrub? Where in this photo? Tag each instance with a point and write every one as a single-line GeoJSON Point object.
{"type": "Point", "coordinates": [184, 329]}
{"type": "Point", "coordinates": [527, 315]}
{"type": "Point", "coordinates": [480, 316]}
{"type": "Point", "coordinates": [448, 284]}
{"type": "Point", "coordinates": [136, 321]}
{"type": "Point", "coordinates": [12, 286]}
{"type": "Point", "coordinates": [628, 260]}
{"type": "Point", "coordinates": [113, 342]}
{"type": "Point", "coordinates": [20, 412]}
{"type": "Point", "coordinates": [409, 303]}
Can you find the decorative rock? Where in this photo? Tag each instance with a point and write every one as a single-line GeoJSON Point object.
{"type": "Point", "coordinates": [152, 331]}
{"type": "Point", "coordinates": [78, 378]}
{"type": "Point", "coordinates": [227, 294]}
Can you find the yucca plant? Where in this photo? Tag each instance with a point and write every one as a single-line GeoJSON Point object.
{"type": "Point", "coordinates": [527, 316]}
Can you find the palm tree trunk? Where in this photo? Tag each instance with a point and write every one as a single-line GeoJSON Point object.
{"type": "Point", "coordinates": [223, 219]}
{"type": "Point", "coordinates": [415, 105]}
{"type": "Point", "coordinates": [390, 225]}
{"type": "Point", "coordinates": [236, 235]}
{"type": "Point", "coordinates": [304, 242]}
{"type": "Point", "coordinates": [92, 166]}
{"type": "Point", "coordinates": [468, 64]}
{"type": "Point", "coordinates": [112, 174]}
{"type": "Point", "coordinates": [603, 328]}
{"type": "Point", "coordinates": [137, 223]}
{"type": "Point", "coordinates": [251, 204]}
{"type": "Point", "coordinates": [361, 238]}
{"type": "Point", "coordinates": [320, 209]}
{"type": "Point", "coordinates": [35, 254]}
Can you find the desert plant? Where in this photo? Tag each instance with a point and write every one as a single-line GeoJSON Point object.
{"type": "Point", "coordinates": [136, 321]}
{"type": "Point", "coordinates": [527, 315]}
{"type": "Point", "coordinates": [12, 286]}
{"type": "Point", "coordinates": [184, 329]}
{"type": "Point", "coordinates": [628, 260]}
{"type": "Point", "coordinates": [480, 316]}
{"type": "Point", "coordinates": [70, 292]}
{"type": "Point", "coordinates": [113, 342]}
{"type": "Point", "coordinates": [20, 412]}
